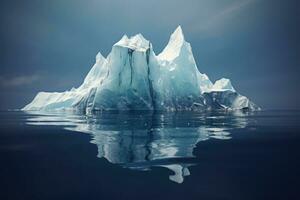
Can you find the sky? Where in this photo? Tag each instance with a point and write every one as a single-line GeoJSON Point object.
{"type": "Point", "coordinates": [51, 45]}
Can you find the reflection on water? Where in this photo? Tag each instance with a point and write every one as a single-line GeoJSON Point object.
{"type": "Point", "coordinates": [140, 141]}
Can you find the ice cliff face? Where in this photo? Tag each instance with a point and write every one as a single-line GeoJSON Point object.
{"type": "Point", "coordinates": [132, 77]}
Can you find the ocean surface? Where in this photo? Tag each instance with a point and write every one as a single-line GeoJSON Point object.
{"type": "Point", "coordinates": [210, 155]}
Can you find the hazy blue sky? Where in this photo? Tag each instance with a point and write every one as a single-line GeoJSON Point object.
{"type": "Point", "coordinates": [51, 45]}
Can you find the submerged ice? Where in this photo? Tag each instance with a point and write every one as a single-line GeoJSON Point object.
{"type": "Point", "coordinates": [133, 77]}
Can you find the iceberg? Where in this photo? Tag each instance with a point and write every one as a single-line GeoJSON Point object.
{"type": "Point", "coordinates": [133, 77]}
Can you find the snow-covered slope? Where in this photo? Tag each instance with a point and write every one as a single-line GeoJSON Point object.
{"type": "Point", "coordinates": [132, 77]}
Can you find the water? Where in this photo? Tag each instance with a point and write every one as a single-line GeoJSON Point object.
{"type": "Point", "coordinates": [212, 155]}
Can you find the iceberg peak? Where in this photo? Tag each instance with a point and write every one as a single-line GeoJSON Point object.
{"type": "Point", "coordinates": [173, 48]}
{"type": "Point", "coordinates": [137, 42]}
{"type": "Point", "coordinates": [99, 57]}
{"type": "Point", "coordinates": [177, 35]}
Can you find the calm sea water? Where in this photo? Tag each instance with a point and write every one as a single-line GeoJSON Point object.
{"type": "Point", "coordinates": [208, 155]}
